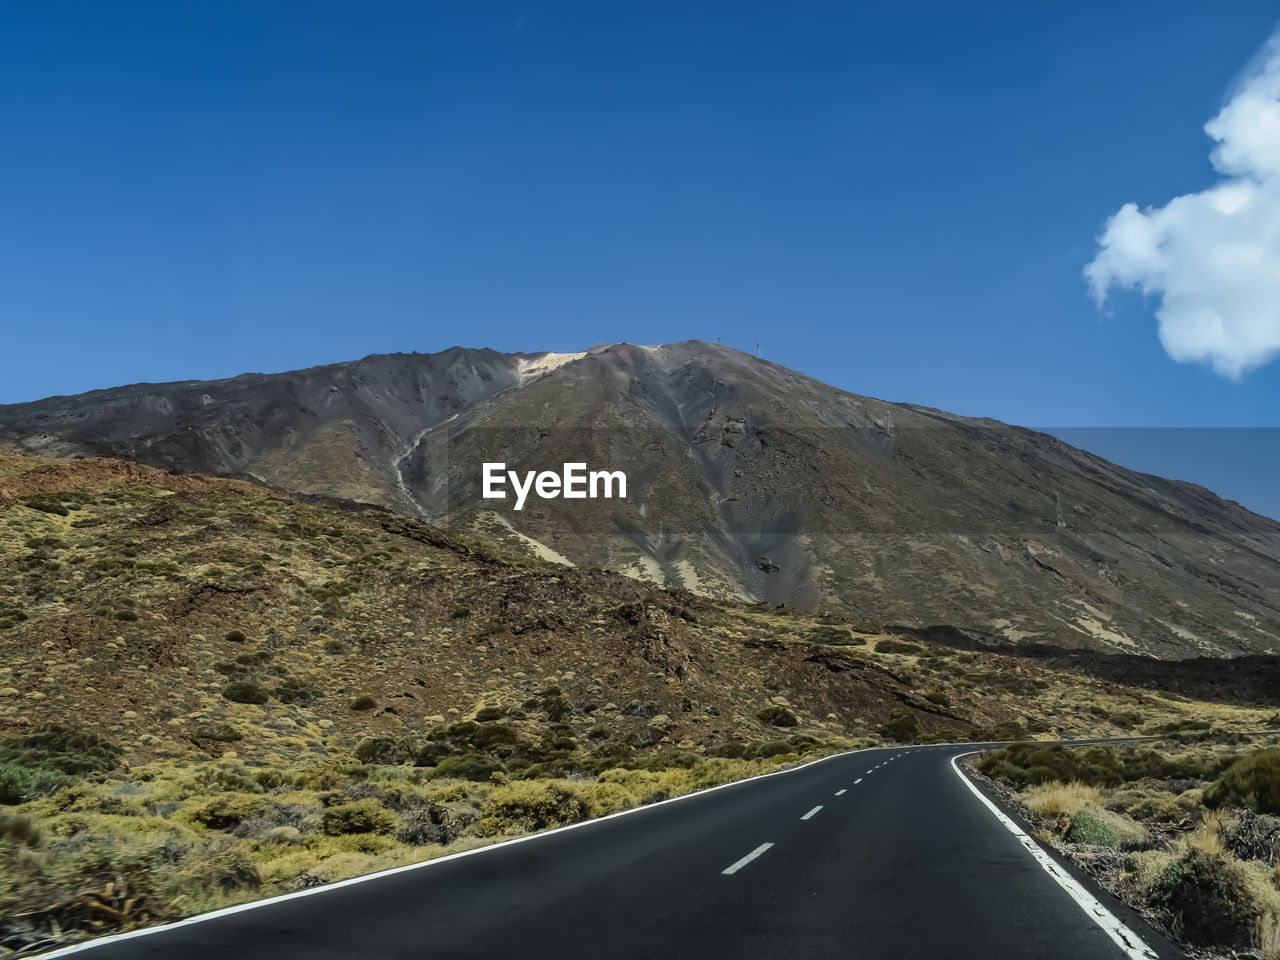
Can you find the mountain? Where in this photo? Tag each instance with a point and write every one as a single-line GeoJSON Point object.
{"type": "Point", "coordinates": [746, 481]}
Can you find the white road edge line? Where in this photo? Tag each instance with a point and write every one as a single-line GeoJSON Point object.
{"type": "Point", "coordinates": [731, 870]}
{"type": "Point", "coordinates": [812, 812]}
{"type": "Point", "coordinates": [858, 781]}
{"type": "Point", "coordinates": [420, 865]}
{"type": "Point", "coordinates": [841, 792]}
{"type": "Point", "coordinates": [1124, 938]}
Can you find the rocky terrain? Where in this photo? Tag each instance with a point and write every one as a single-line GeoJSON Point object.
{"type": "Point", "coordinates": [748, 482]}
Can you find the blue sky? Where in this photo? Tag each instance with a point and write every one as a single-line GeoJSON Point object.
{"type": "Point", "coordinates": [898, 198]}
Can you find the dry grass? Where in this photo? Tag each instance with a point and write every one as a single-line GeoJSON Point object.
{"type": "Point", "coordinates": [1206, 838]}
{"type": "Point", "coordinates": [1061, 799]}
{"type": "Point", "coordinates": [1143, 870]}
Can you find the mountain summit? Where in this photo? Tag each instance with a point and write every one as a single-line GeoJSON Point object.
{"type": "Point", "coordinates": [745, 479]}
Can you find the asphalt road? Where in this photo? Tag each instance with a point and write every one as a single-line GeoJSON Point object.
{"type": "Point", "coordinates": [879, 855]}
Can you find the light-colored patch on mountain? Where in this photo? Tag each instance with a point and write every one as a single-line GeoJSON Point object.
{"type": "Point", "coordinates": [690, 579]}
{"type": "Point", "coordinates": [1178, 631]}
{"type": "Point", "coordinates": [531, 369]}
{"type": "Point", "coordinates": [537, 546]}
{"type": "Point", "coordinates": [1099, 631]}
{"type": "Point", "coordinates": [1093, 611]}
{"type": "Point", "coordinates": [1012, 633]}
{"type": "Point", "coordinates": [646, 569]}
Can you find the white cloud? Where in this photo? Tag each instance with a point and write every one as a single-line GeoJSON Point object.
{"type": "Point", "coordinates": [1213, 257]}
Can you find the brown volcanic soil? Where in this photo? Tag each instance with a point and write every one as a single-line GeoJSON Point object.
{"type": "Point", "coordinates": [124, 616]}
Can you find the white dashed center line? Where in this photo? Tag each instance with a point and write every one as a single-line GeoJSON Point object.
{"type": "Point", "coordinates": [841, 793]}
{"type": "Point", "coordinates": [811, 812]}
{"type": "Point", "coordinates": [730, 871]}
{"type": "Point", "coordinates": [858, 781]}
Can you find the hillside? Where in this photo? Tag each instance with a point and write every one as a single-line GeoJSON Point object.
{"type": "Point", "coordinates": [135, 600]}
{"type": "Point", "coordinates": [212, 692]}
{"type": "Point", "coordinates": [748, 482]}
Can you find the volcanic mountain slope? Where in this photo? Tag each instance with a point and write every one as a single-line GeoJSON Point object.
{"type": "Point", "coordinates": [158, 610]}
{"type": "Point", "coordinates": [745, 480]}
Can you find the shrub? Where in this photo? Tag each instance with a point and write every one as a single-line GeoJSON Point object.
{"type": "Point", "coordinates": [1102, 828]}
{"type": "Point", "coordinates": [359, 816]}
{"type": "Point", "coordinates": [1250, 781]}
{"type": "Point", "coordinates": [1209, 895]}
{"type": "Point", "coordinates": [64, 749]}
{"type": "Point", "coordinates": [222, 732]}
{"type": "Point", "coordinates": [430, 824]}
{"type": "Point", "coordinates": [1177, 726]}
{"type": "Point", "coordinates": [227, 810]}
{"type": "Point", "coordinates": [777, 715]}
{"type": "Point", "coordinates": [469, 766]}
{"type": "Point", "coordinates": [1005, 731]}
{"type": "Point", "coordinates": [381, 750]}
{"type": "Point", "coordinates": [944, 735]}
{"type": "Point", "coordinates": [45, 504]}
{"type": "Point", "coordinates": [19, 830]}
{"type": "Point", "coordinates": [1025, 764]}
{"type": "Point", "coordinates": [529, 805]}
{"type": "Point", "coordinates": [764, 749]}
{"type": "Point", "coordinates": [245, 692]}
{"type": "Point", "coordinates": [18, 784]}
{"type": "Point", "coordinates": [334, 647]}
{"type": "Point", "coordinates": [557, 706]}
{"type": "Point", "coordinates": [1126, 719]}
{"type": "Point", "coordinates": [836, 636]}
{"type": "Point", "coordinates": [1060, 799]}
{"type": "Point", "coordinates": [234, 636]}
{"type": "Point", "coordinates": [496, 734]}
{"type": "Point", "coordinates": [42, 761]}
{"type": "Point", "coordinates": [363, 702]}
{"type": "Point", "coordinates": [902, 726]}
{"type": "Point", "coordinates": [223, 868]}
{"type": "Point", "coordinates": [899, 647]}
{"type": "Point", "coordinates": [940, 697]}
{"type": "Point", "coordinates": [293, 690]}
{"type": "Point", "coordinates": [1159, 807]}
{"type": "Point", "coordinates": [485, 714]}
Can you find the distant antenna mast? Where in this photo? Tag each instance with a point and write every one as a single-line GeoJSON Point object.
{"type": "Point", "coordinates": [718, 339]}
{"type": "Point", "coordinates": [1057, 508]}
{"type": "Point", "coordinates": [757, 348]}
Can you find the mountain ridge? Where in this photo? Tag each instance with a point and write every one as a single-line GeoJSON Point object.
{"type": "Point", "coordinates": [749, 481]}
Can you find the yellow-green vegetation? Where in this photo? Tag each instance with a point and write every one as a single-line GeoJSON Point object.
{"type": "Point", "coordinates": [1185, 831]}
{"type": "Point", "coordinates": [113, 850]}
{"type": "Point", "coordinates": [269, 693]}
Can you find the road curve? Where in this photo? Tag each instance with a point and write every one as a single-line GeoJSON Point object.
{"type": "Point", "coordinates": [882, 854]}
